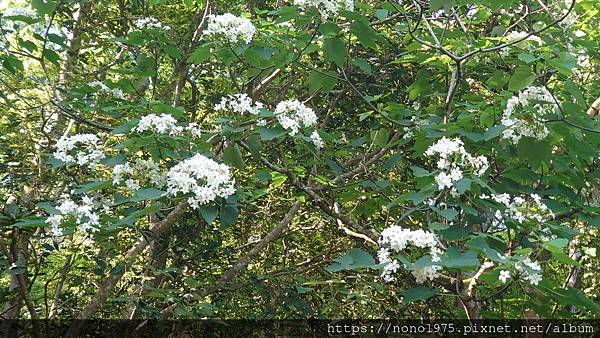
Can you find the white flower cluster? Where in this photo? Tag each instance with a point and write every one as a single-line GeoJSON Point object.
{"type": "Point", "coordinates": [20, 11]}
{"type": "Point", "coordinates": [87, 220]}
{"type": "Point", "coordinates": [317, 140]}
{"type": "Point", "coordinates": [239, 103]}
{"type": "Point", "coordinates": [453, 161]}
{"type": "Point", "coordinates": [531, 124]}
{"type": "Point", "coordinates": [514, 36]}
{"type": "Point", "coordinates": [80, 148]}
{"type": "Point", "coordinates": [234, 28]}
{"type": "Point", "coordinates": [141, 168]}
{"type": "Point", "coordinates": [519, 209]}
{"type": "Point", "coordinates": [164, 124]}
{"type": "Point", "coordinates": [396, 238]}
{"type": "Point", "coordinates": [530, 270]}
{"type": "Point", "coordinates": [150, 23]}
{"type": "Point", "coordinates": [204, 178]}
{"type": "Point", "coordinates": [292, 114]}
{"type": "Point", "coordinates": [116, 92]}
{"type": "Point", "coordinates": [326, 8]}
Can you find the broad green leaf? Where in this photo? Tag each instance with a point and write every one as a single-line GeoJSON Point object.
{"type": "Point", "coordinates": [233, 156]}
{"type": "Point", "coordinates": [334, 50]}
{"type": "Point", "coordinates": [365, 34]}
{"type": "Point", "coordinates": [146, 194]}
{"type": "Point", "coordinates": [209, 213]}
{"type": "Point", "coordinates": [363, 65]}
{"type": "Point", "coordinates": [44, 7]}
{"type": "Point", "coordinates": [354, 259]}
{"type": "Point", "coordinates": [268, 134]}
{"type": "Point", "coordinates": [521, 78]}
{"type": "Point", "coordinates": [419, 172]}
{"type": "Point", "coordinates": [92, 186]}
{"type": "Point", "coordinates": [229, 215]}
{"type": "Point", "coordinates": [31, 222]}
{"type": "Point", "coordinates": [418, 293]}
{"type": "Point", "coordinates": [534, 152]}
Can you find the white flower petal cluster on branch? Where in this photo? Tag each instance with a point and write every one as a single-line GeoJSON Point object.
{"type": "Point", "coordinates": [504, 276]}
{"type": "Point", "coordinates": [239, 103]}
{"type": "Point", "coordinates": [201, 177]}
{"type": "Point", "coordinates": [520, 121]}
{"type": "Point", "coordinates": [293, 114]}
{"type": "Point", "coordinates": [164, 124]}
{"type": "Point", "coordinates": [82, 149]}
{"type": "Point", "coordinates": [132, 173]}
{"type": "Point", "coordinates": [116, 92]}
{"type": "Point", "coordinates": [150, 23]}
{"type": "Point", "coordinates": [514, 36]}
{"type": "Point", "coordinates": [20, 11]}
{"type": "Point", "coordinates": [521, 209]}
{"type": "Point", "coordinates": [531, 270]}
{"type": "Point", "coordinates": [317, 140]}
{"type": "Point", "coordinates": [234, 28]}
{"type": "Point", "coordinates": [396, 239]}
{"type": "Point", "coordinates": [87, 219]}
{"type": "Point", "coordinates": [454, 161]}
{"type": "Point", "coordinates": [327, 8]}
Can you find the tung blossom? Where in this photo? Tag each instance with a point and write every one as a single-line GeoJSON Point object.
{"type": "Point", "coordinates": [396, 239]}
{"type": "Point", "coordinates": [202, 178]}
{"type": "Point", "coordinates": [522, 122]}
{"type": "Point", "coordinates": [83, 149]}
{"type": "Point", "coordinates": [232, 27]}
{"type": "Point", "coordinates": [453, 160]}
{"type": "Point", "coordinates": [293, 114]}
{"type": "Point", "coordinates": [327, 8]}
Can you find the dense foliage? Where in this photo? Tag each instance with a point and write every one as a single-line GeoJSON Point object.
{"type": "Point", "coordinates": [293, 159]}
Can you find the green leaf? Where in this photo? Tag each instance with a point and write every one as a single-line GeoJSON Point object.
{"type": "Point", "coordinates": [382, 14]}
{"type": "Point", "coordinates": [493, 132]}
{"type": "Point", "coordinates": [392, 161]}
{"type": "Point", "coordinates": [534, 152]}
{"type": "Point", "coordinates": [449, 213]}
{"type": "Point", "coordinates": [233, 156]}
{"type": "Point", "coordinates": [229, 215]}
{"type": "Point", "coordinates": [31, 222]}
{"type": "Point", "coordinates": [329, 29]}
{"type": "Point", "coordinates": [253, 142]}
{"type": "Point", "coordinates": [463, 185]}
{"type": "Point", "coordinates": [363, 65]}
{"type": "Point", "coordinates": [365, 34]}
{"type": "Point", "coordinates": [268, 134]}
{"type": "Point", "coordinates": [438, 226]}
{"type": "Point", "coordinates": [354, 259]}
{"type": "Point", "coordinates": [200, 54]}
{"type": "Point", "coordinates": [92, 186]}
{"type": "Point", "coordinates": [334, 166]}
{"type": "Point", "coordinates": [47, 207]}
{"type": "Point", "coordinates": [480, 244]}
{"type": "Point", "coordinates": [321, 79]}
{"type": "Point", "coordinates": [565, 62]}
{"type": "Point", "coordinates": [145, 64]}
{"type": "Point", "coordinates": [146, 194]}
{"type": "Point", "coordinates": [380, 137]}
{"type": "Point", "coordinates": [521, 78]}
{"type": "Point", "coordinates": [418, 293]}
{"type": "Point", "coordinates": [209, 213]}
{"type": "Point", "coordinates": [453, 258]}
{"type": "Point", "coordinates": [419, 172]}
{"type": "Point", "coordinates": [527, 58]}
{"type": "Point", "coordinates": [334, 50]}
{"type": "Point", "coordinates": [44, 7]}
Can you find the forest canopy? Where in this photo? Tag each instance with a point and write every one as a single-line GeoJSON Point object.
{"type": "Point", "coordinates": [299, 159]}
